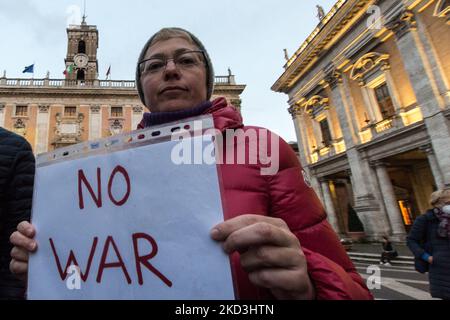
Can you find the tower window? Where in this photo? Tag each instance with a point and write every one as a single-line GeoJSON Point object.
{"type": "Point", "coordinates": [116, 112]}
{"type": "Point", "coordinates": [80, 75]}
{"type": "Point", "coordinates": [384, 101]}
{"type": "Point", "coordinates": [326, 133]}
{"type": "Point", "coordinates": [21, 111]}
{"type": "Point", "coordinates": [81, 46]}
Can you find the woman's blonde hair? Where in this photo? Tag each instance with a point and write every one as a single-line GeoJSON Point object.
{"type": "Point", "coordinates": [437, 196]}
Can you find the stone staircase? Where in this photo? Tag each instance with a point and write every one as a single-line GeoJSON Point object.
{"type": "Point", "coordinates": [374, 258]}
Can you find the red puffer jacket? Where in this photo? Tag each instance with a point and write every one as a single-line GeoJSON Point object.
{"type": "Point", "coordinates": [284, 195]}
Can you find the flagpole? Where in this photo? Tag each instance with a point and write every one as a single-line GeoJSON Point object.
{"type": "Point", "coordinates": [32, 77]}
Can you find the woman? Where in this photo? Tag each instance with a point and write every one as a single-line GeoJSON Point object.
{"type": "Point", "coordinates": [388, 252]}
{"type": "Point", "coordinates": [429, 240]}
{"type": "Point", "coordinates": [275, 228]}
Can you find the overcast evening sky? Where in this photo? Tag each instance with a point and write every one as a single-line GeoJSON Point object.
{"type": "Point", "coordinates": [247, 36]}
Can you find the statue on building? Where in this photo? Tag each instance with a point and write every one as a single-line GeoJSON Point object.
{"type": "Point", "coordinates": [320, 12]}
{"type": "Point", "coordinates": [286, 55]}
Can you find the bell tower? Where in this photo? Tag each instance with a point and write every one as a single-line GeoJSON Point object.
{"type": "Point", "coordinates": [81, 59]}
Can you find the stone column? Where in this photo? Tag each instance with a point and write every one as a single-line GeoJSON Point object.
{"type": "Point", "coordinates": [317, 133]}
{"type": "Point", "coordinates": [2, 115]}
{"type": "Point", "coordinates": [95, 122]}
{"type": "Point", "coordinates": [392, 89]}
{"type": "Point", "coordinates": [366, 205]}
{"type": "Point", "coordinates": [42, 129]}
{"type": "Point", "coordinates": [426, 87]}
{"type": "Point", "coordinates": [331, 123]}
{"type": "Point", "coordinates": [304, 147]}
{"type": "Point", "coordinates": [329, 206]}
{"type": "Point", "coordinates": [393, 211]}
{"type": "Point", "coordinates": [437, 175]}
{"type": "Point", "coordinates": [435, 64]}
{"type": "Point", "coordinates": [302, 140]}
{"type": "Point", "coordinates": [373, 113]}
{"type": "Point", "coordinates": [316, 185]}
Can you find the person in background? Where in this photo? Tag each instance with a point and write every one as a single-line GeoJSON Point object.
{"type": "Point", "coordinates": [16, 191]}
{"type": "Point", "coordinates": [429, 241]}
{"type": "Point", "coordinates": [388, 252]}
{"type": "Point", "coordinates": [275, 230]}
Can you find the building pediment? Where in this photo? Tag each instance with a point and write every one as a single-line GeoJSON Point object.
{"type": "Point", "coordinates": [368, 63]}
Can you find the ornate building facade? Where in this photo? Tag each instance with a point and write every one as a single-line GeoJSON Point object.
{"type": "Point", "coordinates": [51, 113]}
{"type": "Point", "coordinates": [370, 99]}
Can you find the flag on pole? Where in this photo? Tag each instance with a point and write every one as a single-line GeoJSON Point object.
{"type": "Point", "coordinates": [29, 69]}
{"type": "Point", "coordinates": [68, 70]}
{"type": "Point", "coordinates": [108, 72]}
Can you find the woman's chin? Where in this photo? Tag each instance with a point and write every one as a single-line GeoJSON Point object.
{"type": "Point", "coordinates": [171, 106]}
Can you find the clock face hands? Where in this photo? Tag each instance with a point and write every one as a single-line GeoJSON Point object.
{"type": "Point", "coordinates": [81, 60]}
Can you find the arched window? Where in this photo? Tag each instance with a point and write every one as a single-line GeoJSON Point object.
{"type": "Point", "coordinates": [80, 75]}
{"type": "Point", "coordinates": [442, 8]}
{"type": "Point", "coordinates": [81, 46]}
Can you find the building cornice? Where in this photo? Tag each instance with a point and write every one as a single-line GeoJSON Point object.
{"type": "Point", "coordinates": [343, 15]}
{"type": "Point", "coordinates": [108, 92]}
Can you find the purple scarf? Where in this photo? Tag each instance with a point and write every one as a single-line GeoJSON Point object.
{"type": "Point", "coordinates": [444, 223]}
{"type": "Point", "coordinates": [155, 118]}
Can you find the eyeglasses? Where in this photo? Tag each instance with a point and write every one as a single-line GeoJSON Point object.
{"type": "Point", "coordinates": [183, 60]}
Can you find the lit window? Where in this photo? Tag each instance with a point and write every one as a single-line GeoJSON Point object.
{"type": "Point", "coordinates": [384, 101]}
{"type": "Point", "coordinates": [116, 112]}
{"type": "Point", "coordinates": [326, 133]}
{"type": "Point", "coordinates": [405, 209]}
{"type": "Point", "coordinates": [21, 111]}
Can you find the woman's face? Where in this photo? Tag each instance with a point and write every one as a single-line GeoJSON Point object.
{"type": "Point", "coordinates": [173, 88]}
{"type": "Point", "coordinates": [443, 201]}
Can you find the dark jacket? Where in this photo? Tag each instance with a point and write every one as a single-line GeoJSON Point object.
{"type": "Point", "coordinates": [423, 238]}
{"type": "Point", "coordinates": [17, 167]}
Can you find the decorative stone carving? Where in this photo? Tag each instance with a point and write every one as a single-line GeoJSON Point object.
{"type": "Point", "coordinates": [43, 108]}
{"type": "Point", "coordinates": [378, 163]}
{"type": "Point", "coordinates": [316, 104]}
{"type": "Point", "coordinates": [368, 63]}
{"type": "Point", "coordinates": [402, 23]}
{"type": "Point", "coordinates": [442, 10]}
{"type": "Point", "coordinates": [20, 127]}
{"type": "Point", "coordinates": [115, 126]}
{"type": "Point", "coordinates": [333, 79]}
{"type": "Point", "coordinates": [138, 109]}
{"type": "Point", "coordinates": [428, 149]}
{"type": "Point", "coordinates": [95, 109]}
{"type": "Point", "coordinates": [295, 110]}
{"type": "Point", "coordinates": [68, 131]}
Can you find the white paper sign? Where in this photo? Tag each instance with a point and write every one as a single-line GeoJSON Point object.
{"type": "Point", "coordinates": [136, 224]}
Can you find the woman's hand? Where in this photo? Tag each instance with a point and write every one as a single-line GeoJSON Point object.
{"type": "Point", "coordinates": [270, 253]}
{"type": "Point", "coordinates": [23, 242]}
{"type": "Point", "coordinates": [430, 259]}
